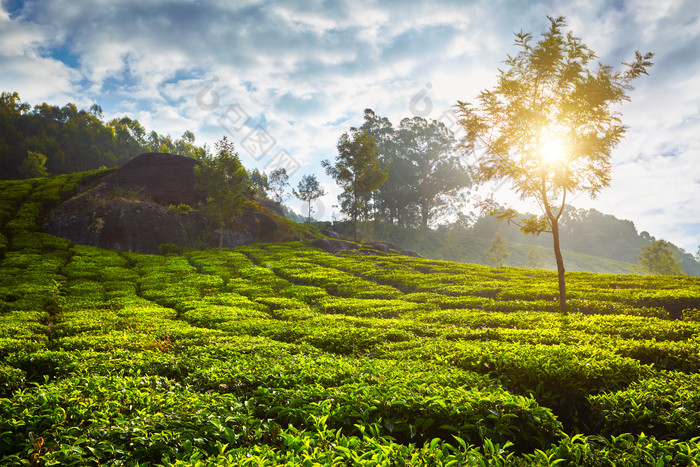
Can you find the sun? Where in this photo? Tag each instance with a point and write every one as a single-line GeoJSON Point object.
{"type": "Point", "coordinates": [552, 146]}
{"type": "Point", "coordinates": [553, 150]}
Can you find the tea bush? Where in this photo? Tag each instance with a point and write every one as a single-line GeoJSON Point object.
{"type": "Point", "coordinates": [285, 354]}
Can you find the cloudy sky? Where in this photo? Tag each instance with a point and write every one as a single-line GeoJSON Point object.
{"type": "Point", "coordinates": [285, 79]}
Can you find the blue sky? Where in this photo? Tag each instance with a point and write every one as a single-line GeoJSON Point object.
{"type": "Point", "coordinates": [285, 79]}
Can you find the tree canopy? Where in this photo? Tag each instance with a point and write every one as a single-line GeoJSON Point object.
{"type": "Point", "coordinates": [549, 126]}
{"type": "Point", "coordinates": [278, 181]}
{"type": "Point", "coordinates": [426, 177]}
{"type": "Point", "coordinates": [498, 254]}
{"type": "Point", "coordinates": [658, 258]}
{"type": "Point", "coordinates": [308, 190]}
{"type": "Point", "coordinates": [75, 140]}
{"type": "Point", "coordinates": [357, 170]}
{"type": "Point", "coordinates": [225, 183]}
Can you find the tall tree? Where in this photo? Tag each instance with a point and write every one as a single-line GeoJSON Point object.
{"type": "Point", "coordinates": [260, 183]}
{"type": "Point", "coordinates": [357, 170]}
{"type": "Point", "coordinates": [439, 178]}
{"type": "Point", "coordinates": [225, 183]}
{"type": "Point", "coordinates": [425, 176]}
{"type": "Point", "coordinates": [388, 198]}
{"type": "Point", "coordinates": [308, 190]}
{"type": "Point", "coordinates": [549, 125]}
{"type": "Point", "coordinates": [534, 259]}
{"type": "Point", "coordinates": [498, 254]}
{"type": "Point", "coordinates": [278, 182]}
{"type": "Point", "coordinates": [658, 258]}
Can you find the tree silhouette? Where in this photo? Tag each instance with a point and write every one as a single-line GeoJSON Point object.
{"type": "Point", "coordinates": [534, 259]}
{"type": "Point", "coordinates": [225, 183]}
{"type": "Point", "coordinates": [357, 171]}
{"type": "Point", "coordinates": [498, 254]}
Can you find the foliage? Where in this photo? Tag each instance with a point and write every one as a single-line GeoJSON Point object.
{"type": "Point", "coordinates": [658, 258]}
{"type": "Point", "coordinates": [425, 179]}
{"type": "Point", "coordinates": [278, 182]}
{"type": "Point", "coordinates": [74, 140]}
{"type": "Point", "coordinates": [33, 166]}
{"type": "Point", "coordinates": [497, 254]}
{"type": "Point", "coordinates": [225, 183]}
{"type": "Point", "coordinates": [534, 260]}
{"type": "Point", "coordinates": [308, 190]}
{"type": "Point", "coordinates": [260, 183]}
{"type": "Point", "coordinates": [439, 176]}
{"type": "Point", "coordinates": [549, 126]}
{"type": "Point", "coordinates": [275, 354]}
{"type": "Point", "coordinates": [357, 171]}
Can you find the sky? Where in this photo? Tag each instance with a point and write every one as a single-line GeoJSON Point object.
{"type": "Point", "coordinates": [284, 80]}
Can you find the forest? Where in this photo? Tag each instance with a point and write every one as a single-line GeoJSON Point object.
{"type": "Point", "coordinates": [73, 140]}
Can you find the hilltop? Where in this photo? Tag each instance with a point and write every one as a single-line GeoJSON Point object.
{"type": "Point", "coordinates": [147, 204]}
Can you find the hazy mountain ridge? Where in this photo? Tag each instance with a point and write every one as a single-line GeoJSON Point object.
{"type": "Point", "coordinates": [470, 244]}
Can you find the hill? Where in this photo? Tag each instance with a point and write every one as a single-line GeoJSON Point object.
{"type": "Point", "coordinates": [148, 204]}
{"type": "Point", "coordinates": [283, 354]}
{"type": "Point", "coordinates": [465, 248]}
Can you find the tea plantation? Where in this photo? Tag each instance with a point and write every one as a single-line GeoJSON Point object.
{"type": "Point", "coordinates": [281, 354]}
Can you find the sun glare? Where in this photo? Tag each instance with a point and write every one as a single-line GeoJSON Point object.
{"type": "Point", "coordinates": [552, 150]}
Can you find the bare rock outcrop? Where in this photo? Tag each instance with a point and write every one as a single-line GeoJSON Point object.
{"type": "Point", "coordinates": [165, 178]}
{"type": "Point", "coordinates": [332, 246]}
{"type": "Point", "coordinates": [148, 202]}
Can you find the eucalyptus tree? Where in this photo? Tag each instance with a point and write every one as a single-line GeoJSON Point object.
{"type": "Point", "coordinates": [357, 171]}
{"type": "Point", "coordinates": [225, 183]}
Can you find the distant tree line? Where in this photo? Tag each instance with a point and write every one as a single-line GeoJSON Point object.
{"type": "Point", "coordinates": [51, 140]}
{"type": "Point", "coordinates": [586, 231]}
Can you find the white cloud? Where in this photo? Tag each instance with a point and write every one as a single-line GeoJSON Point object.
{"type": "Point", "coordinates": [307, 70]}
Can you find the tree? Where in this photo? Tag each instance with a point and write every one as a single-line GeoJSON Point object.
{"type": "Point", "coordinates": [549, 125]}
{"type": "Point", "coordinates": [497, 254]}
{"type": "Point", "coordinates": [425, 176]}
{"type": "Point", "coordinates": [534, 259]}
{"type": "Point", "coordinates": [75, 140]}
{"type": "Point", "coordinates": [225, 183]}
{"type": "Point", "coordinates": [438, 176]}
{"type": "Point", "coordinates": [34, 166]}
{"type": "Point", "coordinates": [658, 258]}
{"type": "Point", "coordinates": [393, 198]}
{"type": "Point", "coordinates": [260, 183]}
{"type": "Point", "coordinates": [308, 190]}
{"type": "Point", "coordinates": [357, 171]}
{"type": "Point", "coordinates": [278, 181]}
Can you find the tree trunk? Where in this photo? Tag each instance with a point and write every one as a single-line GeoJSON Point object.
{"type": "Point", "coordinates": [221, 236]}
{"type": "Point", "coordinates": [354, 217]}
{"type": "Point", "coordinates": [354, 226]}
{"type": "Point", "coordinates": [309, 218]}
{"type": "Point", "coordinates": [560, 266]}
{"type": "Point", "coordinates": [424, 211]}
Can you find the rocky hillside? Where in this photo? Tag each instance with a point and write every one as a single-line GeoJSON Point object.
{"type": "Point", "coordinates": [152, 201]}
